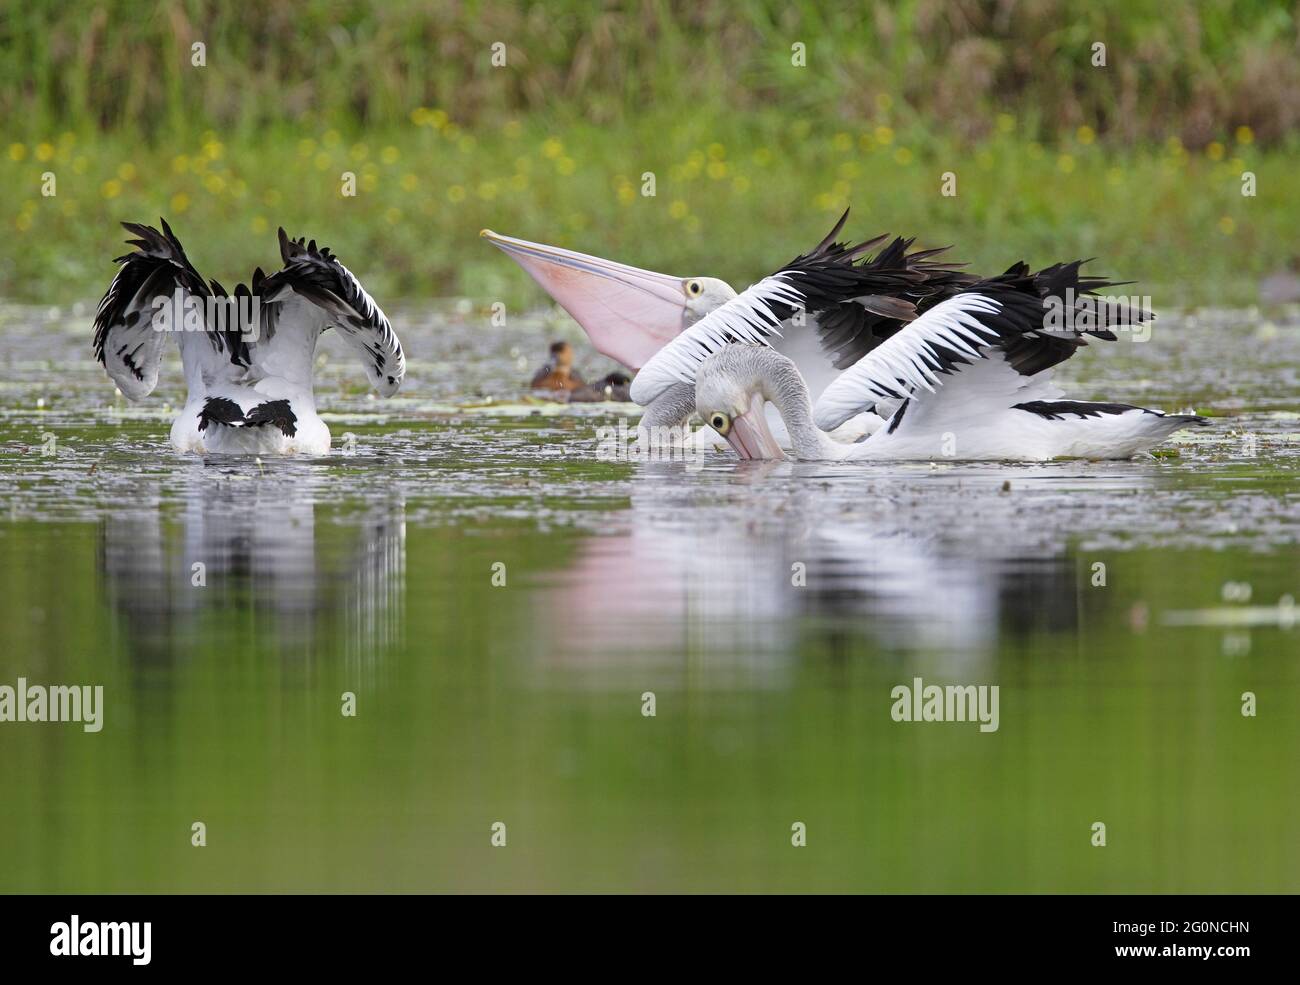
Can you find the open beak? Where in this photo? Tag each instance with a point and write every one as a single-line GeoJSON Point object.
{"type": "Point", "coordinates": [750, 437]}
{"type": "Point", "coordinates": [628, 313]}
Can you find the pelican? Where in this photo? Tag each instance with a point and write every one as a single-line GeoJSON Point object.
{"type": "Point", "coordinates": [247, 358]}
{"type": "Point", "coordinates": [968, 379]}
{"type": "Point", "coordinates": [630, 314]}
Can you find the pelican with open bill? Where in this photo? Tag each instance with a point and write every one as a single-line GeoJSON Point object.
{"type": "Point", "coordinates": [968, 379]}
{"type": "Point", "coordinates": [631, 314]}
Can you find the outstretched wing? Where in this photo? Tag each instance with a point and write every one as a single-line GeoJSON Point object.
{"type": "Point", "coordinates": [128, 343]}
{"type": "Point", "coordinates": [1032, 321]}
{"type": "Point", "coordinates": [904, 285]}
{"type": "Point", "coordinates": [314, 275]}
{"type": "Point", "coordinates": [853, 303]}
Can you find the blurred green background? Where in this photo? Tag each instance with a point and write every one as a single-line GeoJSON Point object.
{"type": "Point", "coordinates": [1139, 161]}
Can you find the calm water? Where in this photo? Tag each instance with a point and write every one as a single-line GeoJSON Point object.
{"type": "Point", "coordinates": [372, 573]}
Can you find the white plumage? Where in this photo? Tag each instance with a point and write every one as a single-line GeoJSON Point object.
{"type": "Point", "coordinates": [248, 358]}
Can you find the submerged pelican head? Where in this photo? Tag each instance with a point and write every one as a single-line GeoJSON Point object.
{"type": "Point", "coordinates": [628, 313]}
{"type": "Point", "coordinates": [732, 391]}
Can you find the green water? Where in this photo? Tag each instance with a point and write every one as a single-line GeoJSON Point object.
{"type": "Point", "coordinates": [372, 573]}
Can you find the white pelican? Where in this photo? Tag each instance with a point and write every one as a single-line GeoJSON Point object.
{"type": "Point", "coordinates": [630, 314]}
{"type": "Point", "coordinates": [248, 359]}
{"type": "Point", "coordinates": [968, 379]}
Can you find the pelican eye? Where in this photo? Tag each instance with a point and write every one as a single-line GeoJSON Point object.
{"type": "Point", "coordinates": [694, 288]}
{"type": "Point", "coordinates": [720, 422]}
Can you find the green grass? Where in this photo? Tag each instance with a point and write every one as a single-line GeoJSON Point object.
{"type": "Point", "coordinates": [1138, 162]}
{"type": "Point", "coordinates": [735, 197]}
{"type": "Point", "coordinates": [1193, 71]}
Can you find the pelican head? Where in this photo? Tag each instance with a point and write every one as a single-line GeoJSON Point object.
{"type": "Point", "coordinates": [732, 391]}
{"type": "Point", "coordinates": [628, 313]}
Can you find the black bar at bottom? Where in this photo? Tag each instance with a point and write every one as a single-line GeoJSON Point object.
{"type": "Point", "coordinates": [333, 933]}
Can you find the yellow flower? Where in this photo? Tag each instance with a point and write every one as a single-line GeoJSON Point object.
{"type": "Point", "coordinates": [487, 190]}
{"type": "Point", "coordinates": [44, 151]}
{"type": "Point", "coordinates": [552, 148]}
{"type": "Point", "coordinates": [439, 119]}
{"type": "Point", "coordinates": [213, 149]}
{"type": "Point", "coordinates": [565, 165]}
{"type": "Point", "coordinates": [626, 194]}
{"type": "Point", "coordinates": [455, 194]}
{"type": "Point", "coordinates": [410, 182]}
{"type": "Point", "coordinates": [1227, 226]}
{"type": "Point", "coordinates": [1065, 164]}
{"type": "Point", "coordinates": [420, 116]}
{"type": "Point", "coordinates": [180, 202]}
{"type": "Point", "coordinates": [903, 156]}
{"type": "Point", "coordinates": [17, 152]}
{"type": "Point", "coordinates": [126, 171]}
{"type": "Point", "coordinates": [678, 210]}
{"type": "Point", "coordinates": [1085, 134]}
{"type": "Point", "coordinates": [1214, 151]}
{"type": "Point", "coordinates": [717, 152]}
{"type": "Point", "coordinates": [23, 221]}
{"type": "Point", "coordinates": [180, 164]}
{"type": "Point", "coordinates": [215, 184]}
{"type": "Point", "coordinates": [389, 155]}
{"type": "Point", "coordinates": [1245, 135]}
{"type": "Point", "coordinates": [330, 138]}
{"type": "Point", "coordinates": [111, 188]}
{"type": "Point", "coordinates": [884, 136]}
{"type": "Point", "coordinates": [260, 224]}
{"type": "Point", "coordinates": [717, 170]}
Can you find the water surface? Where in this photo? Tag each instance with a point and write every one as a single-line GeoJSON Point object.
{"type": "Point", "coordinates": [769, 607]}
